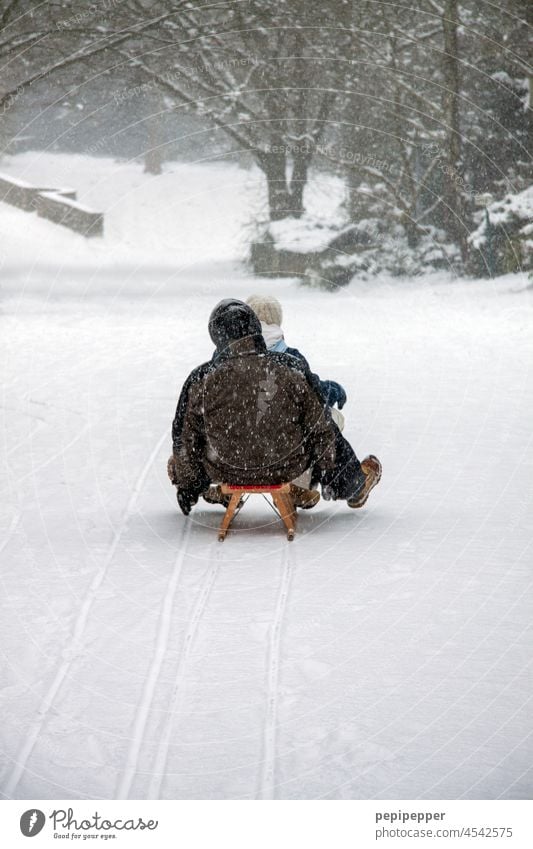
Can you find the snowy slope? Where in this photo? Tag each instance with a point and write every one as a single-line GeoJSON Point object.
{"type": "Point", "coordinates": [193, 219]}
{"type": "Point", "coordinates": [385, 653]}
{"type": "Point", "coordinates": [154, 227]}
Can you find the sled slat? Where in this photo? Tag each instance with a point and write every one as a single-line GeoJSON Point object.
{"type": "Point", "coordinates": [281, 497]}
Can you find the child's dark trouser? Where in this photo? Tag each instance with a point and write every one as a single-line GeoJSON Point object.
{"type": "Point", "coordinates": [347, 477]}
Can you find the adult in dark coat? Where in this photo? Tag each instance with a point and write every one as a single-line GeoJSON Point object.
{"type": "Point", "coordinates": [246, 416]}
{"type": "Point", "coordinates": [251, 416]}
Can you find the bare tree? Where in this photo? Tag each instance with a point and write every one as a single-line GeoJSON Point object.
{"type": "Point", "coordinates": [277, 76]}
{"type": "Point", "coordinates": [438, 97]}
{"type": "Point", "coordinates": [40, 40]}
{"type": "Point", "coordinates": [394, 106]}
{"type": "Point", "coordinates": [265, 72]}
{"type": "Point", "coordinates": [453, 211]}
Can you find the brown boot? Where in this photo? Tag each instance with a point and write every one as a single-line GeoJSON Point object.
{"type": "Point", "coordinates": [304, 498]}
{"type": "Point", "coordinates": [372, 470]}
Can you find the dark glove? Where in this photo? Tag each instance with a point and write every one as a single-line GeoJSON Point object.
{"type": "Point", "coordinates": [336, 394]}
{"type": "Point", "coordinates": [186, 500]}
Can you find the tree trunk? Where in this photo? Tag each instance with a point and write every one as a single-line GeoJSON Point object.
{"type": "Point", "coordinates": [300, 167]}
{"type": "Point", "coordinates": [153, 155]}
{"type": "Point", "coordinates": [453, 214]}
{"type": "Point", "coordinates": [412, 230]}
{"type": "Point", "coordinates": [274, 166]}
{"type": "Point", "coordinates": [153, 161]}
{"type": "Point", "coordinates": [285, 200]}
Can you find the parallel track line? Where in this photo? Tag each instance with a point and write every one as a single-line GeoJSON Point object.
{"type": "Point", "coordinates": [71, 651]}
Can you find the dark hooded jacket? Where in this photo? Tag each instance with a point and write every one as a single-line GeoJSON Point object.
{"type": "Point", "coordinates": [247, 416]}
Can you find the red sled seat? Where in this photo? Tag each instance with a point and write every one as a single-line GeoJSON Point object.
{"type": "Point", "coordinates": [280, 494]}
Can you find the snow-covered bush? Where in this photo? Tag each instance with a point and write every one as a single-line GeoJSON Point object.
{"type": "Point", "coordinates": [503, 240]}
{"type": "Point", "coordinates": [374, 247]}
{"type": "Point", "coordinates": [288, 247]}
{"type": "Point", "coordinates": [329, 257]}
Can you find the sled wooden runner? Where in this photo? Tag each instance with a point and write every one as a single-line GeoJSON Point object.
{"type": "Point", "coordinates": [280, 494]}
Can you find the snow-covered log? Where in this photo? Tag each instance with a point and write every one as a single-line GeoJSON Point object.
{"type": "Point", "coordinates": [19, 193]}
{"type": "Point", "coordinates": [60, 209]}
{"type": "Point", "coordinates": [57, 205]}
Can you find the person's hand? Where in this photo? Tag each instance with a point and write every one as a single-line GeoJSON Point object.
{"type": "Point", "coordinates": [186, 501]}
{"type": "Point", "coordinates": [341, 397]}
{"type": "Point", "coordinates": [337, 395]}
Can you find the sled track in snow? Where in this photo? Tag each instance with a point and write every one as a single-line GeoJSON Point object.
{"type": "Point", "coordinates": [150, 685]}
{"type": "Point", "coordinates": [266, 782]}
{"type": "Point", "coordinates": [72, 650]}
{"type": "Point", "coordinates": [28, 438]}
{"type": "Point", "coordinates": [158, 771]}
{"type": "Point", "coordinates": [15, 522]}
{"type": "Point", "coordinates": [44, 463]}
{"type": "Point", "coordinates": [48, 460]}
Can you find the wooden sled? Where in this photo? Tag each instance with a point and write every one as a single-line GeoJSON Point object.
{"type": "Point", "coordinates": [280, 495]}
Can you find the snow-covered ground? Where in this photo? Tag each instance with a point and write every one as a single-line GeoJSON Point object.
{"type": "Point", "coordinates": [385, 653]}
{"type": "Point", "coordinates": [193, 220]}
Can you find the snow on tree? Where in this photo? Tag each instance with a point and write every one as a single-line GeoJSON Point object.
{"type": "Point", "coordinates": [268, 73]}
{"type": "Point", "coordinates": [420, 109]}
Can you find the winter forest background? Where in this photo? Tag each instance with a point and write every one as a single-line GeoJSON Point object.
{"type": "Point", "coordinates": [369, 163]}
{"type": "Point", "coordinates": [422, 111]}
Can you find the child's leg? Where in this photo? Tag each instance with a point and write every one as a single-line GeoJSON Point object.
{"type": "Point", "coordinates": [347, 477]}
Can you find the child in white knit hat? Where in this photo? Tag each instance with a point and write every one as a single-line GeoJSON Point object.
{"type": "Point", "coordinates": [269, 312]}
